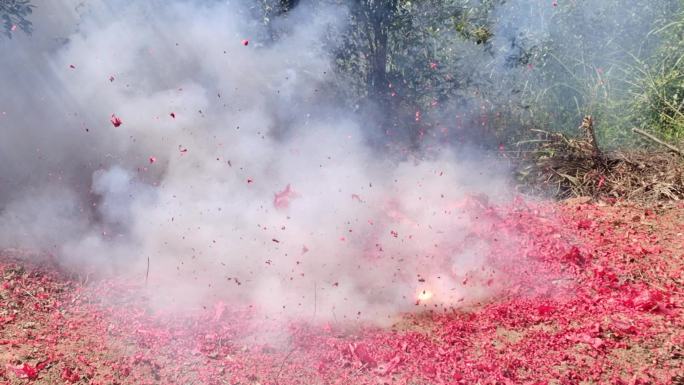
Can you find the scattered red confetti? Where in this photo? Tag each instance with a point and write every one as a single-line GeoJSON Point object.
{"type": "Point", "coordinates": [69, 375]}
{"type": "Point", "coordinates": [361, 352]}
{"type": "Point", "coordinates": [173, 115]}
{"type": "Point", "coordinates": [72, 66]}
{"type": "Point", "coordinates": [574, 256]}
{"type": "Point", "coordinates": [585, 224]}
{"type": "Point", "coordinates": [245, 42]}
{"type": "Point", "coordinates": [24, 371]}
{"type": "Point", "coordinates": [575, 289]}
{"type": "Point", "coordinates": [152, 159]}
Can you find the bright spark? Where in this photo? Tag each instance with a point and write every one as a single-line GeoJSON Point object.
{"type": "Point", "coordinates": [424, 295]}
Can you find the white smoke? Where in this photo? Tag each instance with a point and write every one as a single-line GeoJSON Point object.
{"type": "Point", "coordinates": [232, 172]}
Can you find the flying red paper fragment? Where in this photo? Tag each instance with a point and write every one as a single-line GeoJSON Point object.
{"type": "Point", "coordinates": [116, 121]}
{"type": "Point", "coordinates": [249, 180]}
{"type": "Point", "coordinates": [14, 27]}
{"type": "Point", "coordinates": [111, 78]}
{"type": "Point", "coordinates": [72, 66]}
{"type": "Point", "coordinates": [245, 42]}
{"type": "Point", "coordinates": [282, 198]}
{"type": "Point", "coordinates": [152, 159]}
{"type": "Point", "coordinates": [173, 115]}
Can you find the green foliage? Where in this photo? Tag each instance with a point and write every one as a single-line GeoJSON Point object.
{"type": "Point", "coordinates": [511, 66]}
{"type": "Point", "coordinates": [618, 73]}
{"type": "Point", "coordinates": [14, 15]}
{"type": "Point", "coordinates": [412, 58]}
{"type": "Point", "coordinates": [499, 67]}
{"type": "Point", "coordinates": [657, 87]}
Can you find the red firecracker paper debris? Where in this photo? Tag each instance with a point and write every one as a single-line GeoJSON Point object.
{"type": "Point", "coordinates": [116, 121]}
{"type": "Point", "coordinates": [24, 371]}
{"type": "Point", "coordinates": [561, 294]}
{"type": "Point", "coordinates": [282, 199]}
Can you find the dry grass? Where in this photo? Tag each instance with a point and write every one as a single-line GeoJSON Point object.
{"type": "Point", "coordinates": [572, 167]}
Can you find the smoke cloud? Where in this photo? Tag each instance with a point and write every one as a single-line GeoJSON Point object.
{"type": "Point", "coordinates": [232, 171]}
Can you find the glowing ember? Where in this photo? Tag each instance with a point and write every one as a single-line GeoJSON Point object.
{"type": "Point", "coordinates": [425, 295]}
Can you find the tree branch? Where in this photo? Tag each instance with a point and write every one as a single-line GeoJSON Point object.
{"type": "Point", "coordinates": [653, 138]}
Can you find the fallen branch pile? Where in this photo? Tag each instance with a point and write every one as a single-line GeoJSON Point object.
{"type": "Point", "coordinates": [572, 167]}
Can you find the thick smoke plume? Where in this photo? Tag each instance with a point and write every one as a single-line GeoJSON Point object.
{"type": "Point", "coordinates": [232, 173]}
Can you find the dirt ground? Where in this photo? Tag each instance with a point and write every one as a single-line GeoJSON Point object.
{"type": "Point", "coordinates": [593, 295]}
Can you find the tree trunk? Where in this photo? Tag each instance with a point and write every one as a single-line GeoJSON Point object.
{"type": "Point", "coordinates": [377, 18]}
{"type": "Point", "coordinates": [377, 82]}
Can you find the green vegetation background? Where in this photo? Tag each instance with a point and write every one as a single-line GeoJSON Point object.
{"type": "Point", "coordinates": [498, 68]}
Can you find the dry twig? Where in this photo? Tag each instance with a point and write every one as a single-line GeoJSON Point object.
{"type": "Point", "coordinates": [653, 138]}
